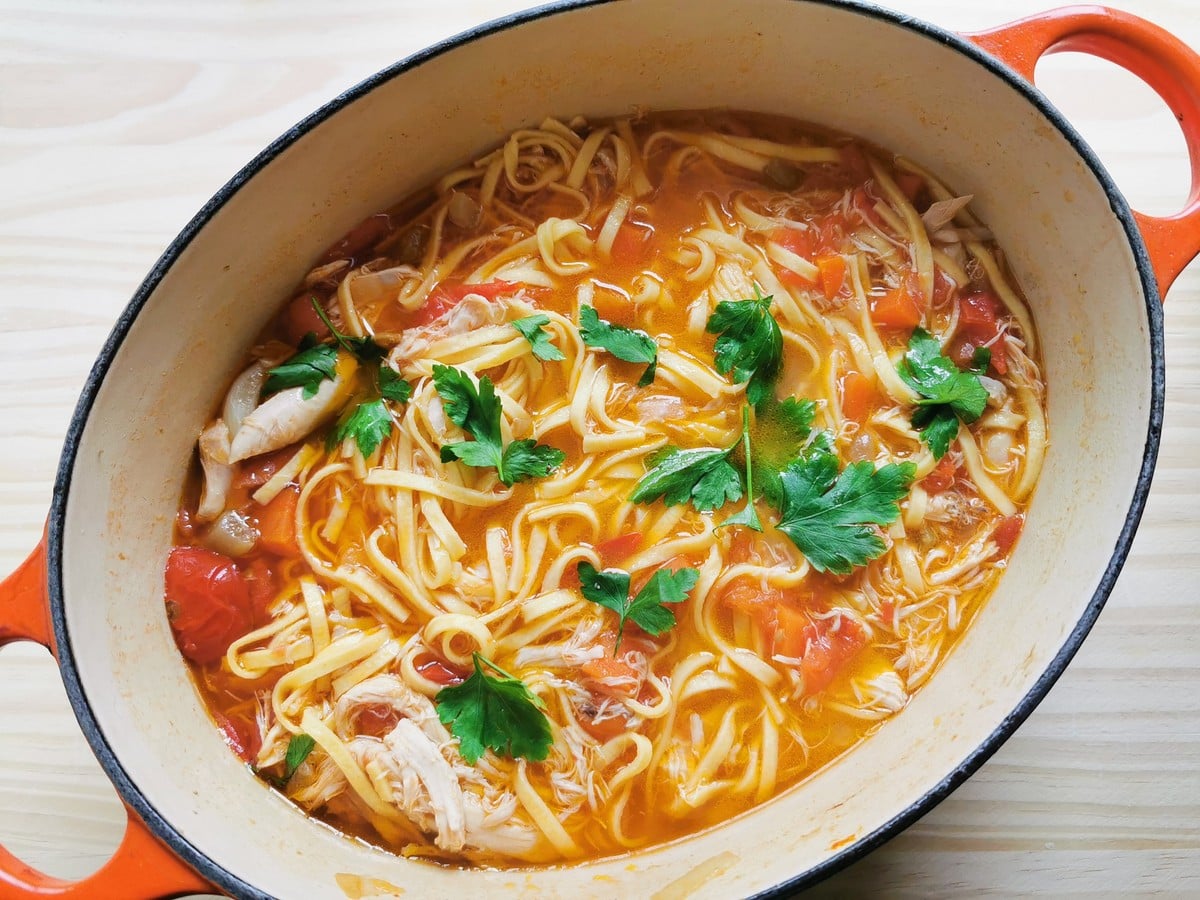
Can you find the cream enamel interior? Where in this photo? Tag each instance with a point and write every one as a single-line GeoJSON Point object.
{"type": "Point", "coordinates": [828, 65]}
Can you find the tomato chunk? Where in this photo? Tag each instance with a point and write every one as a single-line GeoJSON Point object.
{"type": "Point", "coordinates": [942, 476]}
{"type": "Point", "coordinates": [979, 325]}
{"type": "Point", "coordinates": [208, 602]}
{"type": "Point", "coordinates": [1007, 530]}
{"type": "Point", "coordinates": [825, 645]}
{"type": "Point", "coordinates": [299, 318]}
{"type": "Point", "coordinates": [277, 523]}
{"type": "Point", "coordinates": [448, 295]}
{"type": "Point", "coordinates": [241, 736]}
{"type": "Point", "coordinates": [614, 550]}
{"type": "Point", "coordinates": [438, 671]}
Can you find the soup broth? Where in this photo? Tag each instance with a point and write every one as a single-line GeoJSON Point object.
{"type": "Point", "coordinates": [609, 487]}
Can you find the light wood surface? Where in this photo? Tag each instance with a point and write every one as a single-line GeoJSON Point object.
{"type": "Point", "coordinates": [118, 120]}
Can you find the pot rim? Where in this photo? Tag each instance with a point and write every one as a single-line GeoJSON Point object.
{"type": "Point", "coordinates": [126, 787]}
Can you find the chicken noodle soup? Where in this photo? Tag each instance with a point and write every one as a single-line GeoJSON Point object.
{"type": "Point", "coordinates": [609, 487]}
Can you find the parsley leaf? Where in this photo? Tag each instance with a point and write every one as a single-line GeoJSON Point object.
{"type": "Point", "coordinates": [648, 609]}
{"type": "Point", "coordinates": [947, 394]}
{"type": "Point", "coordinates": [750, 344]}
{"type": "Point", "coordinates": [782, 432]}
{"type": "Point", "coordinates": [364, 349]}
{"type": "Point", "coordinates": [306, 369]}
{"type": "Point", "coordinates": [500, 714]}
{"type": "Point", "coordinates": [829, 515]}
{"type": "Point", "coordinates": [298, 749]}
{"type": "Point", "coordinates": [748, 515]}
{"type": "Point", "coordinates": [703, 476]}
{"type": "Point", "coordinates": [623, 343]}
{"type": "Point", "coordinates": [477, 412]}
{"type": "Point", "coordinates": [539, 339]}
{"type": "Point", "coordinates": [369, 424]}
{"type": "Point", "coordinates": [392, 386]}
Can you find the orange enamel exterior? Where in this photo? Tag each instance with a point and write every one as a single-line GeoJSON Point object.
{"type": "Point", "coordinates": [1157, 57]}
{"type": "Point", "coordinates": [141, 867]}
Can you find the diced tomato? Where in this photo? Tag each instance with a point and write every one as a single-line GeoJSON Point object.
{"type": "Point", "coordinates": [1007, 531]}
{"type": "Point", "coordinates": [801, 242]}
{"type": "Point", "coordinates": [942, 476]}
{"type": "Point", "coordinates": [611, 676]}
{"type": "Point", "coordinates": [438, 671]}
{"type": "Point", "coordinates": [943, 288]}
{"type": "Point", "coordinates": [366, 234]}
{"type": "Point", "coordinates": [605, 729]}
{"type": "Point", "coordinates": [979, 320]}
{"type": "Point", "coordinates": [277, 523]}
{"type": "Point", "coordinates": [791, 633]}
{"type": "Point", "coordinates": [887, 611]}
{"type": "Point", "coordinates": [858, 393]}
{"type": "Point", "coordinates": [260, 582]}
{"type": "Point", "coordinates": [910, 184]}
{"type": "Point", "coordinates": [899, 308]}
{"type": "Point", "coordinates": [299, 318]}
{"type": "Point", "coordinates": [632, 242]}
{"type": "Point", "coordinates": [616, 549]}
{"type": "Point", "coordinates": [376, 720]}
{"type": "Point", "coordinates": [241, 736]}
{"type": "Point", "coordinates": [825, 651]}
{"type": "Point", "coordinates": [863, 202]}
{"type": "Point", "coordinates": [448, 295]}
{"type": "Point", "coordinates": [832, 268]}
{"type": "Point", "coordinates": [257, 470]}
{"type": "Point", "coordinates": [208, 602]}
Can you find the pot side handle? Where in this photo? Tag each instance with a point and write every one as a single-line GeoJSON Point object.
{"type": "Point", "coordinates": [142, 868]}
{"type": "Point", "coordinates": [1165, 63]}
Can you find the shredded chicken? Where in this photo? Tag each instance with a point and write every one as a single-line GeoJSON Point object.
{"type": "Point", "coordinates": [425, 774]}
{"type": "Point", "coordinates": [218, 473]}
{"type": "Point", "coordinates": [472, 312]}
{"type": "Point", "coordinates": [288, 416]}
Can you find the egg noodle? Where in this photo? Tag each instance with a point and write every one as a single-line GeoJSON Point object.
{"type": "Point", "coordinates": [405, 563]}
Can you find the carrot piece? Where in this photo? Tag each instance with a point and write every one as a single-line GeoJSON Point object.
{"type": "Point", "coordinates": [857, 395]}
{"type": "Point", "coordinates": [277, 523]}
{"type": "Point", "coordinates": [632, 242]}
{"type": "Point", "coordinates": [898, 308]}
{"type": "Point", "coordinates": [833, 272]}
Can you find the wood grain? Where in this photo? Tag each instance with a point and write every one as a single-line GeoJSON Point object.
{"type": "Point", "coordinates": [118, 120]}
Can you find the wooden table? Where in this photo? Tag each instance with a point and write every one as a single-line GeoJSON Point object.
{"type": "Point", "coordinates": [117, 121]}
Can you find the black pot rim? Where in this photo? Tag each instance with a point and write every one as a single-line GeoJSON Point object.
{"type": "Point", "coordinates": [235, 886]}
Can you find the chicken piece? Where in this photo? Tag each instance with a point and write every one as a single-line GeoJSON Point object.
{"type": "Point", "coordinates": [288, 416]}
{"type": "Point", "coordinates": [425, 772]}
{"type": "Point", "coordinates": [469, 314]}
{"type": "Point", "coordinates": [218, 473]}
{"type": "Point", "coordinates": [392, 692]}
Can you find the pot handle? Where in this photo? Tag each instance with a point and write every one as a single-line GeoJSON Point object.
{"type": "Point", "coordinates": [1154, 55]}
{"type": "Point", "coordinates": [142, 867]}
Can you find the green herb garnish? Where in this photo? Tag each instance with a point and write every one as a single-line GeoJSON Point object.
{"type": "Point", "coordinates": [500, 714]}
{"type": "Point", "coordinates": [749, 346]}
{"type": "Point", "coordinates": [532, 328]}
{"type": "Point", "coordinates": [648, 609]}
{"type": "Point", "coordinates": [623, 343]}
{"type": "Point", "coordinates": [829, 516]}
{"type": "Point", "coordinates": [476, 410]}
{"type": "Point", "coordinates": [948, 395]}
